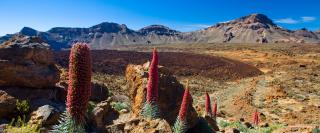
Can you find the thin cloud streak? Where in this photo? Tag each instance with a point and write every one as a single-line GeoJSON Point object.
{"type": "Point", "coordinates": [303, 19]}
{"type": "Point", "coordinates": [192, 27]}
{"type": "Point", "coordinates": [287, 21]}
{"type": "Point", "coordinates": [308, 19]}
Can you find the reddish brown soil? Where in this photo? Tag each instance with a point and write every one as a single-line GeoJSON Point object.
{"type": "Point", "coordinates": [180, 64]}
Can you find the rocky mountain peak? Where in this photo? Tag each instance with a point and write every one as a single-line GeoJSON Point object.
{"type": "Point", "coordinates": [253, 28]}
{"type": "Point", "coordinates": [28, 31]}
{"type": "Point", "coordinates": [107, 27]}
{"type": "Point", "coordinates": [253, 21]}
{"type": "Point", "coordinates": [256, 18]}
{"type": "Point", "coordinates": [158, 29]}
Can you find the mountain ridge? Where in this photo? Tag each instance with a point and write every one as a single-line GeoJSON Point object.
{"type": "Point", "coordinates": [253, 28]}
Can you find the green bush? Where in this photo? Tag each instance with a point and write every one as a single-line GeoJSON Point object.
{"type": "Point", "coordinates": [119, 106]}
{"type": "Point", "coordinates": [20, 126]}
{"type": "Point", "coordinates": [110, 94]}
{"type": "Point", "coordinates": [23, 106]}
{"type": "Point", "coordinates": [91, 106]}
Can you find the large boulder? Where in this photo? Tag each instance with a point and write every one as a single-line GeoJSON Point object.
{"type": "Point", "coordinates": [27, 62]}
{"type": "Point", "coordinates": [103, 114]}
{"type": "Point", "coordinates": [45, 115]}
{"type": "Point", "coordinates": [170, 93]}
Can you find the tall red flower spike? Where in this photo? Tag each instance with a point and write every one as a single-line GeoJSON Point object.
{"type": "Point", "coordinates": [184, 104]}
{"type": "Point", "coordinates": [256, 118]}
{"type": "Point", "coordinates": [208, 105]}
{"type": "Point", "coordinates": [214, 109]}
{"type": "Point", "coordinates": [79, 87]}
{"type": "Point", "coordinates": [152, 88]}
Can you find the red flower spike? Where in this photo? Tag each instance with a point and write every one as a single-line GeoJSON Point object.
{"type": "Point", "coordinates": [184, 105]}
{"type": "Point", "coordinates": [79, 86]}
{"type": "Point", "coordinates": [152, 87]}
{"type": "Point", "coordinates": [214, 109]}
{"type": "Point", "coordinates": [208, 105]}
{"type": "Point", "coordinates": [256, 117]}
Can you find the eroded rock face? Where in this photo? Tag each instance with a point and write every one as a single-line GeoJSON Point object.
{"type": "Point", "coordinates": [27, 62]}
{"type": "Point", "coordinates": [140, 125]}
{"type": "Point", "coordinates": [7, 104]}
{"type": "Point", "coordinates": [103, 114]}
{"type": "Point", "coordinates": [99, 92]}
{"type": "Point", "coordinates": [26, 93]}
{"type": "Point", "coordinates": [36, 97]}
{"type": "Point", "coordinates": [170, 93]}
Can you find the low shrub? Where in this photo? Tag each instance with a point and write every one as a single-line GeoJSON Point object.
{"type": "Point", "coordinates": [23, 106]}
{"type": "Point", "coordinates": [119, 106]}
{"type": "Point", "coordinates": [20, 126]}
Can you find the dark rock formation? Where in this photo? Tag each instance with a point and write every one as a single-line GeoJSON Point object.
{"type": "Point", "coordinates": [7, 104]}
{"type": "Point", "coordinates": [27, 62]}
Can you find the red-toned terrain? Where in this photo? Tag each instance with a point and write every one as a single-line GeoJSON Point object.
{"type": "Point", "coordinates": [178, 63]}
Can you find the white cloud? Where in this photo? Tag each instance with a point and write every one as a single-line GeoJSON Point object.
{"type": "Point", "coordinates": [308, 19]}
{"type": "Point", "coordinates": [303, 19]}
{"type": "Point", "coordinates": [192, 27]}
{"type": "Point", "coordinates": [287, 21]}
{"type": "Point", "coordinates": [198, 25]}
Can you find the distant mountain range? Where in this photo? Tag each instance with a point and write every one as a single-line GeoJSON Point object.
{"type": "Point", "coordinates": [254, 28]}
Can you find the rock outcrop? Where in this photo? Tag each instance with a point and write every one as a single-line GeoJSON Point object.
{"type": "Point", "coordinates": [35, 96]}
{"type": "Point", "coordinates": [103, 115]}
{"type": "Point", "coordinates": [45, 115]}
{"type": "Point", "coordinates": [27, 62]}
{"type": "Point", "coordinates": [140, 125]}
{"type": "Point", "coordinates": [170, 93]}
{"type": "Point", "coordinates": [7, 104]}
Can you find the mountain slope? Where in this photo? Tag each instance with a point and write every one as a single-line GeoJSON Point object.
{"type": "Point", "coordinates": [317, 33]}
{"type": "Point", "coordinates": [254, 28]}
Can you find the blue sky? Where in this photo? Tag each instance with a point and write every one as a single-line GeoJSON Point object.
{"type": "Point", "coordinates": [182, 15]}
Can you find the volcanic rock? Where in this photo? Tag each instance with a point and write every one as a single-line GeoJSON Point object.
{"type": "Point", "coordinates": [45, 115]}
{"type": "Point", "coordinates": [140, 125]}
{"type": "Point", "coordinates": [27, 62]}
{"type": "Point", "coordinates": [103, 114]}
{"type": "Point", "coordinates": [7, 104]}
{"type": "Point", "coordinates": [170, 93]}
